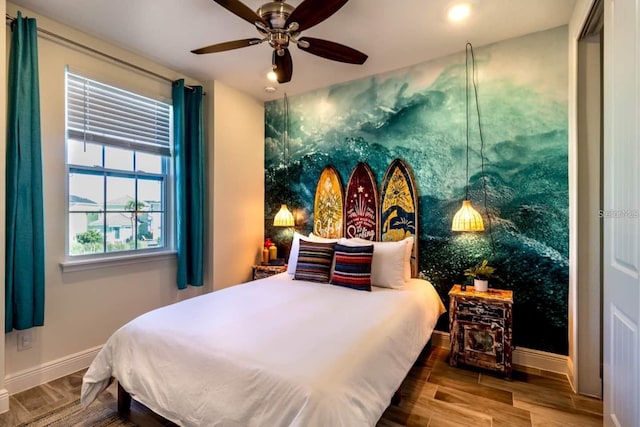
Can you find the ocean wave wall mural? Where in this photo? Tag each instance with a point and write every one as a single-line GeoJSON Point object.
{"type": "Point", "coordinates": [417, 114]}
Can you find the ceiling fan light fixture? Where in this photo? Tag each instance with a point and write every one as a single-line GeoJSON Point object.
{"type": "Point", "coordinates": [272, 76]}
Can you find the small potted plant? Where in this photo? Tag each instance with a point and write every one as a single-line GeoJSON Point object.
{"type": "Point", "coordinates": [481, 274]}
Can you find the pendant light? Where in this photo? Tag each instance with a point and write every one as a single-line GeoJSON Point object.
{"type": "Point", "coordinates": [467, 218]}
{"type": "Point", "coordinates": [284, 217]}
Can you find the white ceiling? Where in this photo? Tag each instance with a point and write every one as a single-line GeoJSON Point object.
{"type": "Point", "coordinates": [394, 34]}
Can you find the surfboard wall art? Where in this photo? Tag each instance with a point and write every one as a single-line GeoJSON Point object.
{"type": "Point", "coordinates": [399, 205]}
{"type": "Point", "coordinates": [361, 204]}
{"type": "Point", "coordinates": [328, 206]}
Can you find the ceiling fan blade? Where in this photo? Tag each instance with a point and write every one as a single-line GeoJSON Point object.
{"type": "Point", "coordinates": [240, 9]}
{"type": "Point", "coordinates": [221, 47]}
{"type": "Point", "coordinates": [312, 12]}
{"type": "Point", "coordinates": [283, 66]}
{"type": "Point", "coordinates": [332, 50]}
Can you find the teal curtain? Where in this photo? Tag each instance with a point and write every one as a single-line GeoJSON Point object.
{"type": "Point", "coordinates": [24, 279]}
{"type": "Point", "coordinates": [189, 166]}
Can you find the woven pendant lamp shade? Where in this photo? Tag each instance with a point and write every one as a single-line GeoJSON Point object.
{"type": "Point", "coordinates": [467, 219]}
{"type": "Point", "coordinates": [284, 217]}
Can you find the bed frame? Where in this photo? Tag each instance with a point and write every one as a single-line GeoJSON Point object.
{"type": "Point", "coordinates": [124, 401]}
{"type": "Point", "coordinates": [397, 167]}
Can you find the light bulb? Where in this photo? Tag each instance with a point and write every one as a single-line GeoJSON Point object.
{"type": "Point", "coordinates": [459, 12]}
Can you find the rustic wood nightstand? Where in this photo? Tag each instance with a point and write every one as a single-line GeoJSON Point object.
{"type": "Point", "coordinates": [481, 328]}
{"type": "Point", "coordinates": [262, 271]}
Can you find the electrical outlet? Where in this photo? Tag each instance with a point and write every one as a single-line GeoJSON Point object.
{"type": "Point", "coordinates": [25, 340]}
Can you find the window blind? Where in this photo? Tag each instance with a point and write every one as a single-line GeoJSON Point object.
{"type": "Point", "coordinates": [104, 114]}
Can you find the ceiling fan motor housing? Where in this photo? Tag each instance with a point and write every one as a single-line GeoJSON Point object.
{"type": "Point", "coordinates": [275, 13]}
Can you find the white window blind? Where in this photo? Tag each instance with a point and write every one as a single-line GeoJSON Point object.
{"type": "Point", "coordinates": [104, 114]}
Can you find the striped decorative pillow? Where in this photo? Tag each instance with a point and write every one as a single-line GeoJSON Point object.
{"type": "Point", "coordinates": [353, 267]}
{"type": "Point", "coordinates": [314, 261]}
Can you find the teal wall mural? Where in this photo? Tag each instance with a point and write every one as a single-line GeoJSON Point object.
{"type": "Point", "coordinates": [418, 114]}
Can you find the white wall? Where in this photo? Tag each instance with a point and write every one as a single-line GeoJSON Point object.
{"type": "Point", "coordinates": [83, 308]}
{"type": "Point", "coordinates": [238, 183]}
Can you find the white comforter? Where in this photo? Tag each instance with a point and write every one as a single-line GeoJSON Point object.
{"type": "Point", "coordinates": [273, 352]}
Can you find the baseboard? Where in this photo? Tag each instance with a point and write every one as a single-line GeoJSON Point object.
{"type": "Point", "coordinates": [29, 378]}
{"type": "Point", "coordinates": [522, 356]}
{"type": "Point", "coordinates": [545, 361]}
{"type": "Point", "coordinates": [4, 400]}
{"type": "Point", "coordinates": [571, 375]}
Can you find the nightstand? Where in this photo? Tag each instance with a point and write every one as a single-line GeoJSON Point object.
{"type": "Point", "coordinates": [481, 328]}
{"type": "Point", "coordinates": [262, 271]}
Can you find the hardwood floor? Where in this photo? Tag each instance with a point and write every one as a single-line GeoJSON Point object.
{"type": "Point", "coordinates": [433, 395]}
{"type": "Point", "coordinates": [438, 395]}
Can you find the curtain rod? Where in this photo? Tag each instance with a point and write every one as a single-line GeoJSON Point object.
{"type": "Point", "coordinates": [11, 20]}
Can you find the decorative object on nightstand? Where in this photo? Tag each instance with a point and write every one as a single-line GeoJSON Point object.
{"type": "Point", "coordinates": [262, 271]}
{"type": "Point", "coordinates": [481, 328]}
{"type": "Point", "coordinates": [273, 252]}
{"type": "Point", "coordinates": [265, 250]}
{"type": "Point", "coordinates": [481, 273]}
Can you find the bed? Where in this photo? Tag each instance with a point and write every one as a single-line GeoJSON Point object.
{"type": "Point", "coordinates": [279, 351]}
{"type": "Point", "coordinates": [319, 355]}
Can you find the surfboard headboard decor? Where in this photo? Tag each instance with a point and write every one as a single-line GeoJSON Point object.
{"type": "Point", "coordinates": [328, 206]}
{"type": "Point", "coordinates": [361, 211]}
{"type": "Point", "coordinates": [399, 207]}
{"type": "Point", "coordinates": [390, 215]}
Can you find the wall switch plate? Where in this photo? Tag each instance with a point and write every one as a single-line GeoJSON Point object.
{"type": "Point", "coordinates": [25, 340]}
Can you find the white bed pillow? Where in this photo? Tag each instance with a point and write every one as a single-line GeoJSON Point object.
{"type": "Point", "coordinates": [295, 249]}
{"type": "Point", "coordinates": [293, 253]}
{"type": "Point", "coordinates": [409, 251]}
{"type": "Point", "coordinates": [315, 238]}
{"type": "Point", "coordinates": [387, 264]}
{"type": "Point", "coordinates": [407, 261]}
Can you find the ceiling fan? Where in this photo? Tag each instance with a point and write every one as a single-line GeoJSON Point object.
{"type": "Point", "coordinates": [280, 24]}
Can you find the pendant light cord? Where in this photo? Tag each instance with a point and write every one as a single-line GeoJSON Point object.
{"type": "Point", "coordinates": [285, 150]}
{"type": "Point", "coordinates": [466, 98]}
{"type": "Point", "coordinates": [469, 49]}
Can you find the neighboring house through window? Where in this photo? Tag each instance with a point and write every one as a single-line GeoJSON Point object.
{"type": "Point", "coordinates": [118, 169]}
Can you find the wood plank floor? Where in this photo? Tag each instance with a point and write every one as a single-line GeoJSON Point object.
{"type": "Point", "coordinates": [434, 395]}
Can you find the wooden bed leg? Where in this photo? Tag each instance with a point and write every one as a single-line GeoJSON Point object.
{"type": "Point", "coordinates": [397, 397]}
{"type": "Point", "coordinates": [124, 400]}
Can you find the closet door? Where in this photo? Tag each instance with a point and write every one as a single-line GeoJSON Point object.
{"type": "Point", "coordinates": [621, 258]}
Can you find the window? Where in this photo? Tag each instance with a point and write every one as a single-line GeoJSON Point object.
{"type": "Point", "coordinates": [118, 170]}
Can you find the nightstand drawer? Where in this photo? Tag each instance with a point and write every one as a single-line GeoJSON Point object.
{"type": "Point", "coordinates": [476, 308]}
